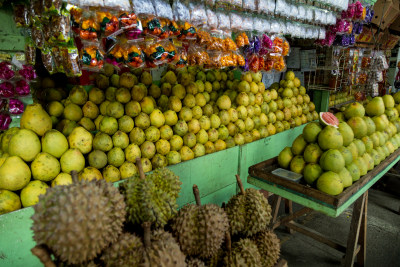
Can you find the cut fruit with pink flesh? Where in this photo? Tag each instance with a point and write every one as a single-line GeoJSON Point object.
{"type": "Point", "coordinates": [327, 118]}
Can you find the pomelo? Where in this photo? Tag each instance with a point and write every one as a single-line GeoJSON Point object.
{"type": "Point", "coordinates": [346, 177]}
{"type": "Point", "coordinates": [375, 107]}
{"type": "Point", "coordinates": [330, 138]}
{"type": "Point", "coordinates": [347, 155]}
{"type": "Point", "coordinates": [369, 144]}
{"type": "Point", "coordinates": [285, 157]}
{"type": "Point", "coordinates": [312, 153]}
{"type": "Point", "coordinates": [354, 110]}
{"type": "Point", "coordinates": [371, 128]}
{"type": "Point", "coordinates": [332, 160]}
{"type": "Point", "coordinates": [369, 160]}
{"type": "Point", "coordinates": [388, 101]}
{"type": "Point", "coordinates": [311, 131]}
{"type": "Point", "coordinates": [297, 164]}
{"type": "Point", "coordinates": [346, 132]}
{"type": "Point", "coordinates": [354, 171]}
{"type": "Point", "coordinates": [360, 147]}
{"type": "Point", "coordinates": [327, 118]}
{"type": "Point", "coordinates": [362, 165]}
{"type": "Point", "coordinates": [312, 172]}
{"type": "Point", "coordinates": [358, 126]}
{"type": "Point", "coordinates": [299, 145]}
{"type": "Point", "coordinates": [353, 149]}
{"type": "Point", "coordinates": [330, 183]}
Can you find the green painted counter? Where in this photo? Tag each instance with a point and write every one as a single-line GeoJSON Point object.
{"type": "Point", "coordinates": [214, 174]}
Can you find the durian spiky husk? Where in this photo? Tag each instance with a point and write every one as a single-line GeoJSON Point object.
{"type": "Point", "coordinates": [126, 251]}
{"type": "Point", "coordinates": [249, 213]}
{"type": "Point", "coordinates": [244, 254]}
{"type": "Point", "coordinates": [269, 246]}
{"type": "Point", "coordinates": [78, 221]}
{"type": "Point", "coordinates": [195, 262]}
{"type": "Point", "coordinates": [200, 230]}
{"type": "Point", "coordinates": [146, 202]}
{"type": "Point", "coordinates": [163, 251]}
{"type": "Point", "coordinates": [151, 199]}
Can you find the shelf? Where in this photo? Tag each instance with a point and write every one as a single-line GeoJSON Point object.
{"type": "Point", "coordinates": [342, 104]}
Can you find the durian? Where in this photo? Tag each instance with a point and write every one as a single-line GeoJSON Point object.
{"type": "Point", "coordinates": [244, 253]}
{"type": "Point", "coordinates": [195, 262]}
{"type": "Point", "coordinates": [161, 249]}
{"type": "Point", "coordinates": [269, 247]}
{"type": "Point", "coordinates": [200, 230]}
{"type": "Point", "coordinates": [76, 222]}
{"type": "Point", "coordinates": [248, 212]}
{"type": "Point", "coordinates": [149, 199]}
{"type": "Point", "coordinates": [126, 251]}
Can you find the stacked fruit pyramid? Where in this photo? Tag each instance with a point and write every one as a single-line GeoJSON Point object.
{"type": "Point", "coordinates": [91, 223]}
{"type": "Point", "coordinates": [334, 153]}
{"type": "Point", "coordinates": [339, 98]}
{"type": "Point", "coordinates": [100, 133]}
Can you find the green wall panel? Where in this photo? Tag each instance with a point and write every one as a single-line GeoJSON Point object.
{"type": "Point", "coordinates": [11, 38]}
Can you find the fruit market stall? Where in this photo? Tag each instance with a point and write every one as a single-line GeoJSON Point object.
{"type": "Point", "coordinates": [332, 165]}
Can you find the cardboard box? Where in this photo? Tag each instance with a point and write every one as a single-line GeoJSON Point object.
{"type": "Point", "coordinates": [395, 25]}
{"type": "Point", "coordinates": [386, 11]}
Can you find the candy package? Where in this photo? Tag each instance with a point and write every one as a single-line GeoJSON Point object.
{"type": "Point", "coordinates": [212, 20]}
{"type": "Point", "coordinates": [91, 57]}
{"type": "Point", "coordinates": [37, 37]}
{"type": "Point", "coordinates": [58, 60]}
{"type": "Point", "coordinates": [48, 60]}
{"type": "Point", "coordinates": [180, 11]}
{"type": "Point", "coordinates": [134, 56]}
{"type": "Point", "coordinates": [30, 52]}
{"type": "Point", "coordinates": [242, 39]}
{"type": "Point", "coordinates": [247, 23]}
{"type": "Point", "coordinates": [182, 59]}
{"type": "Point", "coordinates": [152, 25]}
{"type": "Point", "coordinates": [235, 21]}
{"type": "Point", "coordinates": [76, 17]}
{"type": "Point", "coordinates": [163, 9]}
{"type": "Point", "coordinates": [203, 38]}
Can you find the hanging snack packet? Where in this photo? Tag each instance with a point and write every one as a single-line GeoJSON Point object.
{"type": "Point", "coordinates": [6, 71]}
{"type": "Point", "coordinates": [48, 60]}
{"type": "Point", "coordinates": [155, 53]}
{"type": "Point", "coordinates": [203, 38]}
{"type": "Point", "coordinates": [7, 89]}
{"type": "Point", "coordinates": [182, 57]}
{"type": "Point", "coordinates": [242, 40]}
{"type": "Point", "coordinates": [58, 60]}
{"type": "Point", "coordinates": [76, 17]}
{"type": "Point", "coordinates": [52, 7]}
{"type": "Point", "coordinates": [91, 57]}
{"type": "Point", "coordinates": [249, 5]}
{"type": "Point", "coordinates": [224, 22]}
{"type": "Point", "coordinates": [135, 57]}
{"type": "Point", "coordinates": [130, 23]}
{"type": "Point", "coordinates": [117, 4]}
{"type": "Point", "coordinates": [212, 20]}
{"type": "Point", "coordinates": [198, 15]}
{"type": "Point", "coordinates": [22, 88]}
{"type": "Point", "coordinates": [36, 9]}
{"type": "Point", "coordinates": [61, 27]}
{"type": "Point", "coordinates": [21, 15]}
{"type": "Point", "coordinates": [89, 29]}
{"type": "Point", "coordinates": [181, 15]}
{"type": "Point", "coordinates": [197, 56]}
{"type": "Point", "coordinates": [37, 37]}
{"type": "Point", "coordinates": [30, 52]}
{"type": "Point", "coordinates": [91, 3]}
{"type": "Point", "coordinates": [109, 23]}
{"type": "Point", "coordinates": [70, 56]}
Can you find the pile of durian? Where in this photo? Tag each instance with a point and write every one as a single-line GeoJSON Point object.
{"type": "Point", "coordinates": [93, 223]}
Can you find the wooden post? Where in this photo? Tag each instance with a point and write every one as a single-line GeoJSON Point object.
{"type": "Point", "coordinates": [352, 239]}
{"type": "Point", "coordinates": [362, 255]}
{"type": "Point", "coordinates": [275, 208]}
{"type": "Point", "coordinates": [289, 210]}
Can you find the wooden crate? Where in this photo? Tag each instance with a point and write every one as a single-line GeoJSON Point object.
{"type": "Point", "coordinates": [262, 171]}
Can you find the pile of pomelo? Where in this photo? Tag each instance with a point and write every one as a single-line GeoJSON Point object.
{"type": "Point", "coordinates": [334, 153]}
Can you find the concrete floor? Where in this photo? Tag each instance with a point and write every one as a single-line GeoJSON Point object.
{"type": "Point", "coordinates": [383, 235]}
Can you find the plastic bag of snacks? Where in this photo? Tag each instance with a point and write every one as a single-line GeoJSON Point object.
{"type": "Point", "coordinates": [217, 41]}
{"type": "Point", "coordinates": [30, 52]}
{"type": "Point", "coordinates": [21, 15]}
{"type": "Point", "coordinates": [5, 121]}
{"type": "Point", "coordinates": [117, 4]}
{"type": "Point", "coordinates": [229, 44]}
{"type": "Point", "coordinates": [212, 20]}
{"type": "Point", "coordinates": [130, 24]}
{"type": "Point", "coordinates": [155, 53]}
{"type": "Point", "coordinates": [76, 17]}
{"type": "Point", "coordinates": [198, 14]}
{"type": "Point", "coordinates": [262, 6]}
{"type": "Point", "coordinates": [58, 60]}
{"type": "Point", "coordinates": [279, 63]}
{"type": "Point", "coordinates": [90, 28]}
{"type": "Point", "coordinates": [163, 9]}
{"type": "Point", "coordinates": [22, 88]}
{"type": "Point", "coordinates": [247, 23]}
{"type": "Point", "coordinates": [134, 55]}
{"type": "Point", "coordinates": [36, 9]}
{"type": "Point", "coordinates": [197, 56]}
{"type": "Point", "coordinates": [61, 27]}
{"type": "Point", "coordinates": [48, 60]}
{"type": "Point", "coordinates": [235, 21]}
{"type": "Point", "coordinates": [182, 59]}
{"type": "Point", "coordinates": [281, 8]}
{"type": "Point", "coordinates": [15, 106]}
{"type": "Point", "coordinates": [27, 72]}
{"type": "Point", "coordinates": [91, 3]}
{"type": "Point", "coordinates": [258, 24]}
{"type": "Point", "coordinates": [91, 57]}
{"type": "Point", "coordinates": [70, 56]}
{"type": "Point", "coordinates": [37, 37]}
{"type": "Point", "coordinates": [223, 21]}
{"type": "Point", "coordinates": [268, 64]}
{"type": "Point", "coordinates": [52, 7]}
{"type": "Point", "coordinates": [6, 71]}
{"type": "Point", "coordinates": [266, 45]}
{"type": "Point", "coordinates": [242, 39]}
{"type": "Point", "coordinates": [203, 38]}
{"type": "Point", "coordinates": [280, 45]}
{"type": "Point", "coordinates": [249, 5]}
{"type": "Point", "coordinates": [236, 3]}
{"type": "Point", "coordinates": [180, 11]}
{"type": "Point", "coordinates": [108, 21]}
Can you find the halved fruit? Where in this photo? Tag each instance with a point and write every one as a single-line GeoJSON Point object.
{"type": "Point", "coordinates": [327, 118]}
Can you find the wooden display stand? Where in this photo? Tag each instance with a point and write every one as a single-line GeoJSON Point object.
{"type": "Point", "coordinates": [315, 200]}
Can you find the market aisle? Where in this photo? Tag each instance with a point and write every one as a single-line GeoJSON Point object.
{"type": "Point", "coordinates": [383, 240]}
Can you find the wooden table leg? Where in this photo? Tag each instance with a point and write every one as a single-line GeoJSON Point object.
{"type": "Point", "coordinates": [289, 210]}
{"type": "Point", "coordinates": [352, 239]}
{"type": "Point", "coordinates": [275, 208]}
{"type": "Point", "coordinates": [361, 256]}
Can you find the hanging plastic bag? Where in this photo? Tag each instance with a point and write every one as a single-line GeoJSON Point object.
{"type": "Point", "coordinates": [182, 60]}
{"type": "Point", "coordinates": [163, 9]}
{"type": "Point", "coordinates": [197, 56]}
{"type": "Point", "coordinates": [109, 23]}
{"type": "Point", "coordinates": [155, 53]}
{"type": "Point", "coordinates": [90, 28]}
{"type": "Point", "coordinates": [21, 15]}
{"type": "Point", "coordinates": [212, 20]}
{"type": "Point", "coordinates": [91, 57]}
{"type": "Point", "coordinates": [198, 14]}
{"type": "Point", "coordinates": [223, 21]}
{"type": "Point", "coordinates": [61, 28]}
{"type": "Point", "coordinates": [91, 3]}
{"type": "Point", "coordinates": [249, 5]}
{"type": "Point", "coordinates": [117, 4]}
{"type": "Point", "coordinates": [70, 56]}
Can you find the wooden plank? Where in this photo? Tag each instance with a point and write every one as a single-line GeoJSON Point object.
{"type": "Point", "coordinates": [263, 170]}
{"type": "Point", "coordinates": [316, 236]}
{"type": "Point", "coordinates": [352, 239]}
{"type": "Point", "coordinates": [275, 208]}
{"type": "Point", "coordinates": [293, 216]}
{"type": "Point", "coordinates": [362, 240]}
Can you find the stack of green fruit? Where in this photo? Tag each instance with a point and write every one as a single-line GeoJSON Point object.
{"type": "Point", "coordinates": [100, 133]}
{"type": "Point", "coordinates": [332, 158]}
{"type": "Point", "coordinates": [339, 98]}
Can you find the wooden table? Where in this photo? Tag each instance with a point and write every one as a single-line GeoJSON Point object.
{"type": "Point", "coordinates": [314, 200]}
